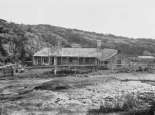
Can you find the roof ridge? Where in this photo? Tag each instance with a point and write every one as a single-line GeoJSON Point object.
{"type": "Point", "coordinates": [78, 52]}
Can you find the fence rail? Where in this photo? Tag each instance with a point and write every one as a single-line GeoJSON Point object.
{"type": "Point", "coordinates": [7, 70]}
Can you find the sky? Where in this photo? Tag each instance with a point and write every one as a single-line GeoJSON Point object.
{"type": "Point", "coordinates": [131, 18]}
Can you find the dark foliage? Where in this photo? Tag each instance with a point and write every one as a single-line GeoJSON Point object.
{"type": "Point", "coordinates": [25, 40]}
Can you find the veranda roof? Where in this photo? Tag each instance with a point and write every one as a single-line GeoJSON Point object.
{"type": "Point", "coordinates": [101, 54]}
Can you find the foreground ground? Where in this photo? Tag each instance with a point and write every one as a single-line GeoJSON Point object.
{"type": "Point", "coordinates": [34, 93]}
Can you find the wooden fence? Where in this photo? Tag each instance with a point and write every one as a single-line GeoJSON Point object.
{"type": "Point", "coordinates": [133, 67]}
{"type": "Point", "coordinates": [7, 70]}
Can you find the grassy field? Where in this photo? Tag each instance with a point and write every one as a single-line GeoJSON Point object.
{"type": "Point", "coordinates": [40, 92]}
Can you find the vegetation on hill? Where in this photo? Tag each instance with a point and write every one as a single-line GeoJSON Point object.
{"type": "Point", "coordinates": [18, 42]}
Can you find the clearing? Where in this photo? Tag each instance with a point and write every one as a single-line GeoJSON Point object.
{"type": "Point", "coordinates": [39, 92]}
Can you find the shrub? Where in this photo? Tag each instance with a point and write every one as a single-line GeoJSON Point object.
{"type": "Point", "coordinates": [121, 103]}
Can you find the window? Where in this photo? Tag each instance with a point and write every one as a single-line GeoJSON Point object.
{"type": "Point", "coordinates": [119, 63]}
{"type": "Point", "coordinates": [105, 62]}
{"type": "Point", "coordinates": [45, 59]}
{"type": "Point", "coordinates": [70, 59]}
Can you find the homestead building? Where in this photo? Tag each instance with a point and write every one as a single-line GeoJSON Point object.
{"type": "Point", "coordinates": [70, 56]}
{"type": "Point", "coordinates": [76, 56]}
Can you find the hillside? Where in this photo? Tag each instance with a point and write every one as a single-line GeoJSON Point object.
{"type": "Point", "coordinates": [18, 42]}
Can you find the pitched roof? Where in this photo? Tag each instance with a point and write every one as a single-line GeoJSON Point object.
{"type": "Point", "coordinates": [101, 54]}
{"type": "Point", "coordinates": [146, 57]}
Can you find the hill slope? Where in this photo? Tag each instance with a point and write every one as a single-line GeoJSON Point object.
{"type": "Point", "coordinates": [18, 42]}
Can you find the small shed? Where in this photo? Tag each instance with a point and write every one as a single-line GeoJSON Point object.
{"type": "Point", "coordinates": [144, 62]}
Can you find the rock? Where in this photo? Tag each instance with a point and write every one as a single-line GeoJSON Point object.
{"type": "Point", "coordinates": [87, 101]}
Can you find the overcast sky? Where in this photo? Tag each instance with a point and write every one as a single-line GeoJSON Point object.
{"type": "Point", "coordinates": [132, 18]}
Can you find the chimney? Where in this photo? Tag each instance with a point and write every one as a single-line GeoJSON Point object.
{"type": "Point", "coordinates": [99, 44]}
{"type": "Point", "coordinates": [98, 50]}
{"type": "Point", "coordinates": [59, 46]}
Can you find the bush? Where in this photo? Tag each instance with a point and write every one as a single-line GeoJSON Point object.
{"type": "Point", "coordinates": [130, 101]}
{"type": "Point", "coordinates": [121, 103]}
